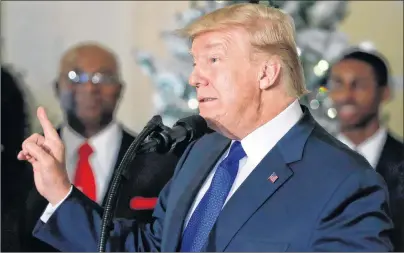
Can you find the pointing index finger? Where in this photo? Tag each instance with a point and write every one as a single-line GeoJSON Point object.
{"type": "Point", "coordinates": [48, 129]}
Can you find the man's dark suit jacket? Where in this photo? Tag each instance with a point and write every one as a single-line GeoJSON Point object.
{"type": "Point", "coordinates": [326, 198]}
{"type": "Point", "coordinates": [146, 178]}
{"type": "Point", "coordinates": [391, 167]}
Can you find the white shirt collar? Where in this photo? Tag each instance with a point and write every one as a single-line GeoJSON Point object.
{"type": "Point", "coordinates": [74, 140]}
{"type": "Point", "coordinates": [371, 148]}
{"type": "Point", "coordinates": [106, 145]}
{"type": "Point", "coordinates": [258, 143]}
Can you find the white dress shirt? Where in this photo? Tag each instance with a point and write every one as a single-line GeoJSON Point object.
{"type": "Point", "coordinates": [105, 144]}
{"type": "Point", "coordinates": [371, 148]}
{"type": "Point", "coordinates": [256, 146]}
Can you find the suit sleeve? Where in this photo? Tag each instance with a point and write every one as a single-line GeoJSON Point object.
{"type": "Point", "coordinates": [75, 225]}
{"type": "Point", "coordinates": [356, 218]}
{"type": "Point", "coordinates": [32, 210]}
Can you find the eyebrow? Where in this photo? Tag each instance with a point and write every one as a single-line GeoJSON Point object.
{"type": "Point", "coordinates": [213, 45]}
{"type": "Point", "coordinates": [356, 78]}
{"type": "Point", "coordinates": [102, 69]}
{"type": "Point", "coordinates": [210, 46]}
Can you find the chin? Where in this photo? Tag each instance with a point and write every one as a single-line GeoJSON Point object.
{"type": "Point", "coordinates": [218, 126]}
{"type": "Point", "coordinates": [347, 121]}
{"type": "Point", "coordinates": [91, 119]}
{"type": "Point", "coordinates": [346, 126]}
{"type": "Point", "coordinates": [212, 122]}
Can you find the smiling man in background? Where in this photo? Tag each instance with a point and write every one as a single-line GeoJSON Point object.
{"type": "Point", "coordinates": [359, 84]}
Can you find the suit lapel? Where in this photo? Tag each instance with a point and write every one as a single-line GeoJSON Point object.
{"type": "Point", "coordinates": [386, 155]}
{"type": "Point", "coordinates": [258, 187]}
{"type": "Point", "coordinates": [193, 177]}
{"type": "Point", "coordinates": [254, 191]}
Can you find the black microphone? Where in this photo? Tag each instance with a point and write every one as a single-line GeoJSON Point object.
{"type": "Point", "coordinates": [185, 130]}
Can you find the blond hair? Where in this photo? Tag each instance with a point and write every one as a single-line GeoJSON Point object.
{"type": "Point", "coordinates": [271, 31]}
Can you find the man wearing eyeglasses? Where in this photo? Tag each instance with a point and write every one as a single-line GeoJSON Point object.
{"type": "Point", "coordinates": [89, 88]}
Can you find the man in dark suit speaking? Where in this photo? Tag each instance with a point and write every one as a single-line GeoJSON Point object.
{"type": "Point", "coordinates": [269, 179]}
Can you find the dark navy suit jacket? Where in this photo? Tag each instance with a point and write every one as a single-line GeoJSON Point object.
{"type": "Point", "coordinates": [326, 198]}
{"type": "Point", "coordinates": [146, 177]}
{"type": "Point", "coordinates": [391, 168]}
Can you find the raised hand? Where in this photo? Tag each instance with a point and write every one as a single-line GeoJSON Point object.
{"type": "Point", "coordinates": [47, 156]}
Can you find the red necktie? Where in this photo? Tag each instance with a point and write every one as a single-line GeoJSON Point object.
{"type": "Point", "coordinates": [84, 178]}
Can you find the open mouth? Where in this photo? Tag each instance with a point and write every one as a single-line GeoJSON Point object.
{"type": "Point", "coordinates": [203, 100]}
{"type": "Point", "coordinates": [347, 110]}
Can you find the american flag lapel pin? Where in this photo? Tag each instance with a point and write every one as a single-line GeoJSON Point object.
{"type": "Point", "coordinates": [273, 177]}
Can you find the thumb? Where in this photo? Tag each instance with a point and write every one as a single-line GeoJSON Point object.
{"type": "Point", "coordinates": [48, 129]}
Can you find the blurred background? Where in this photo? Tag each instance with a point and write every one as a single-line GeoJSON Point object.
{"type": "Point", "coordinates": [154, 69]}
{"type": "Point", "coordinates": [35, 34]}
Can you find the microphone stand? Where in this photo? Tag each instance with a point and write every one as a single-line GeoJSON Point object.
{"type": "Point", "coordinates": [106, 224]}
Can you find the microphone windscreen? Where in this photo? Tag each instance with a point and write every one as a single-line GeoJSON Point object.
{"type": "Point", "coordinates": [195, 124]}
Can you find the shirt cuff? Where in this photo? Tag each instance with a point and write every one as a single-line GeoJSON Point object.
{"type": "Point", "coordinates": [51, 209]}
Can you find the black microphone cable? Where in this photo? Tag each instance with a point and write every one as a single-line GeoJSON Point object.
{"type": "Point", "coordinates": [106, 224]}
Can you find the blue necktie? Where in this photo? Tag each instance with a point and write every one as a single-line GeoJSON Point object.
{"type": "Point", "coordinates": [208, 209]}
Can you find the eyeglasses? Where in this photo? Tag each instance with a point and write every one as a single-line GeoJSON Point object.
{"type": "Point", "coordinates": [80, 77]}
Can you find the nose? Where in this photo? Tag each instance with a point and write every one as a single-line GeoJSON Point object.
{"type": "Point", "coordinates": [343, 94]}
{"type": "Point", "coordinates": [197, 79]}
{"type": "Point", "coordinates": [88, 87]}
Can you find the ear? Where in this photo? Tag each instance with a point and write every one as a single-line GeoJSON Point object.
{"type": "Point", "coordinates": [120, 90]}
{"type": "Point", "coordinates": [386, 94]}
{"type": "Point", "coordinates": [269, 73]}
{"type": "Point", "coordinates": [56, 88]}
